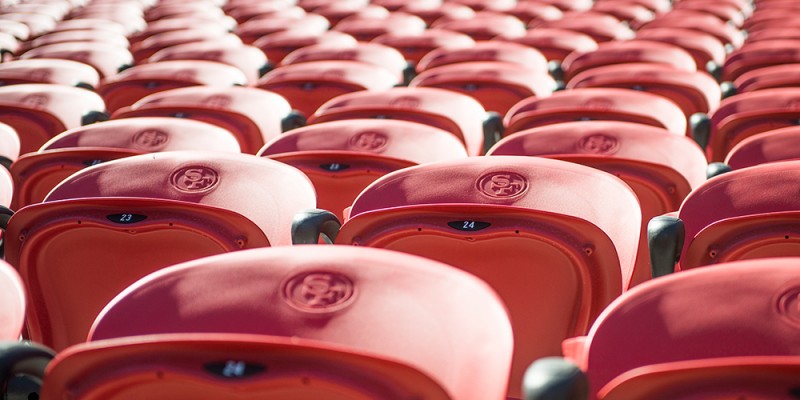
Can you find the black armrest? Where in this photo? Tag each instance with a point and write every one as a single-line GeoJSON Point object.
{"type": "Point", "coordinates": [557, 72]}
{"type": "Point", "coordinates": [5, 216]}
{"type": "Point", "coordinates": [554, 378]}
{"type": "Point", "coordinates": [94, 116]}
{"type": "Point", "coordinates": [294, 120]}
{"type": "Point", "coordinates": [716, 168]}
{"type": "Point", "coordinates": [409, 72]}
{"type": "Point", "coordinates": [728, 89]}
{"type": "Point", "coordinates": [23, 358]}
{"type": "Point", "coordinates": [492, 130]}
{"type": "Point", "coordinates": [665, 235]}
{"type": "Point", "coordinates": [701, 129]}
{"type": "Point", "coordinates": [715, 70]}
{"type": "Point", "coordinates": [308, 225]}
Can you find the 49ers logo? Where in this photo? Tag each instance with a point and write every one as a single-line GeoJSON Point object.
{"type": "Point", "coordinates": [368, 141]}
{"type": "Point", "coordinates": [194, 179]}
{"type": "Point", "coordinates": [318, 291]}
{"type": "Point", "coordinates": [150, 139]}
{"type": "Point", "coordinates": [502, 185]}
{"type": "Point", "coordinates": [598, 144]}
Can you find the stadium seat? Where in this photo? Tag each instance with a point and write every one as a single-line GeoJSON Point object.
{"type": "Point", "coordinates": [86, 35]}
{"type": "Point", "coordinates": [248, 59]}
{"type": "Point", "coordinates": [698, 21]}
{"type": "Point", "coordinates": [62, 72]}
{"type": "Point", "coordinates": [9, 145]}
{"type": "Point", "coordinates": [774, 34]}
{"type": "Point", "coordinates": [370, 53]}
{"type": "Point", "coordinates": [601, 28]}
{"type": "Point", "coordinates": [245, 11]}
{"type": "Point", "coordinates": [496, 85]}
{"type": "Point", "coordinates": [533, 13]}
{"type": "Point", "coordinates": [37, 23]}
{"type": "Point", "coordinates": [343, 157]}
{"type": "Point", "coordinates": [308, 85]}
{"type": "Point", "coordinates": [454, 112]}
{"type": "Point", "coordinates": [292, 355]}
{"type": "Point", "coordinates": [706, 50]}
{"type": "Point", "coordinates": [240, 110]}
{"type": "Point", "coordinates": [758, 55]}
{"type": "Point", "coordinates": [277, 45]}
{"type": "Point", "coordinates": [606, 104]}
{"type": "Point", "coordinates": [131, 85]}
{"type": "Point", "coordinates": [37, 112]}
{"type": "Point", "coordinates": [257, 28]}
{"type": "Point", "coordinates": [155, 43]}
{"type": "Point", "coordinates": [175, 24]}
{"type": "Point", "coordinates": [90, 24]}
{"type": "Point", "coordinates": [627, 52]}
{"type": "Point", "coordinates": [36, 174]}
{"type": "Point", "coordinates": [336, 11]}
{"type": "Point", "coordinates": [109, 225]}
{"type": "Point", "coordinates": [556, 240]}
{"type": "Point", "coordinates": [660, 167]}
{"type": "Point", "coordinates": [107, 59]}
{"type": "Point", "coordinates": [555, 44]}
{"type": "Point", "coordinates": [486, 51]}
{"type": "Point", "coordinates": [726, 12]}
{"type": "Point", "coordinates": [430, 13]}
{"type": "Point", "coordinates": [414, 47]}
{"type": "Point", "coordinates": [775, 76]}
{"type": "Point", "coordinates": [743, 214]}
{"type": "Point", "coordinates": [631, 13]}
{"type": "Point", "coordinates": [770, 146]}
{"type": "Point", "coordinates": [747, 114]}
{"type": "Point", "coordinates": [649, 345]}
{"type": "Point", "coordinates": [693, 92]}
{"type": "Point", "coordinates": [16, 29]}
{"type": "Point", "coordinates": [365, 29]}
{"type": "Point", "coordinates": [12, 299]}
{"type": "Point", "coordinates": [484, 25]}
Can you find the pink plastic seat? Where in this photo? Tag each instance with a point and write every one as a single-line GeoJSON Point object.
{"type": "Point", "coordinates": [633, 51]}
{"type": "Point", "coordinates": [367, 29]}
{"type": "Point", "coordinates": [758, 55]}
{"type": "Point", "coordinates": [277, 45]}
{"type": "Point", "coordinates": [771, 146]}
{"type": "Point", "coordinates": [555, 44]}
{"type": "Point", "coordinates": [240, 110]}
{"type": "Point", "coordinates": [486, 51]}
{"type": "Point", "coordinates": [257, 28]}
{"type": "Point", "coordinates": [37, 112]}
{"type": "Point", "coordinates": [111, 224]}
{"type": "Point", "coordinates": [55, 71]}
{"type": "Point", "coordinates": [431, 13]}
{"type": "Point", "coordinates": [646, 344]}
{"type": "Point", "coordinates": [371, 53]}
{"type": "Point", "coordinates": [645, 157]}
{"type": "Point", "coordinates": [556, 240]}
{"type": "Point", "coordinates": [775, 76]}
{"type": "Point", "coordinates": [306, 86]}
{"type": "Point", "coordinates": [87, 35]}
{"type": "Point", "coordinates": [466, 356]}
{"type": "Point", "coordinates": [9, 145]}
{"type": "Point", "coordinates": [248, 59]}
{"type": "Point", "coordinates": [601, 28]}
{"type": "Point", "coordinates": [36, 174]}
{"type": "Point", "coordinates": [496, 85]}
{"type": "Point", "coordinates": [608, 104]}
{"type": "Point", "coordinates": [155, 43]}
{"type": "Point", "coordinates": [343, 157]}
{"type": "Point", "coordinates": [698, 21]}
{"type": "Point", "coordinates": [107, 59]}
{"type": "Point", "coordinates": [246, 11]}
{"type": "Point", "coordinates": [415, 46]}
{"type": "Point", "coordinates": [703, 47]}
{"type": "Point", "coordinates": [533, 13]}
{"type": "Point", "coordinates": [131, 85]}
{"type": "Point", "coordinates": [176, 24]}
{"type": "Point", "coordinates": [631, 13]}
{"type": "Point", "coordinates": [484, 25]}
{"type": "Point", "coordinates": [12, 299]}
{"type": "Point", "coordinates": [454, 112]}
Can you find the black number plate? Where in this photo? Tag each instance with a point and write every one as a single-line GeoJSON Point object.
{"type": "Point", "coordinates": [468, 226]}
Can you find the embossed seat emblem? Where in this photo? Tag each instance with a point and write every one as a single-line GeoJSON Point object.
{"type": "Point", "coordinates": [368, 141]}
{"type": "Point", "coordinates": [150, 139]}
{"type": "Point", "coordinates": [598, 144]}
{"type": "Point", "coordinates": [502, 185]}
{"type": "Point", "coordinates": [789, 305]}
{"type": "Point", "coordinates": [194, 179]}
{"type": "Point", "coordinates": [318, 291]}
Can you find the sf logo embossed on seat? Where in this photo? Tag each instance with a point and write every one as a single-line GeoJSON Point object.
{"type": "Point", "coordinates": [369, 141]}
{"type": "Point", "coordinates": [318, 291]}
{"type": "Point", "coordinates": [598, 144]}
{"type": "Point", "coordinates": [150, 139]}
{"type": "Point", "coordinates": [502, 185]}
{"type": "Point", "coordinates": [194, 179]}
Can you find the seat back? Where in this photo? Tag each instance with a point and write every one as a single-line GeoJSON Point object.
{"type": "Point", "coordinates": [12, 298]}
{"type": "Point", "coordinates": [106, 59]}
{"type": "Point", "coordinates": [248, 59]}
{"type": "Point", "coordinates": [431, 317]}
{"type": "Point", "coordinates": [767, 147]}
{"type": "Point", "coordinates": [64, 72]}
{"type": "Point", "coordinates": [555, 44]}
{"type": "Point", "coordinates": [111, 224]}
{"type": "Point", "coordinates": [343, 157]}
{"type": "Point", "coordinates": [509, 52]}
{"type": "Point", "coordinates": [633, 51]}
{"type": "Point", "coordinates": [649, 328]}
{"type": "Point", "coordinates": [775, 76]}
{"type": "Point", "coordinates": [547, 235]}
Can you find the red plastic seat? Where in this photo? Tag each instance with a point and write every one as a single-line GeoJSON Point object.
{"type": "Point", "coordinates": [86, 35]}
{"type": "Point", "coordinates": [396, 5]}
{"type": "Point", "coordinates": [747, 114]}
{"type": "Point", "coordinates": [487, 5]}
{"type": "Point", "coordinates": [257, 28]}
{"type": "Point", "coordinates": [62, 72]}
{"type": "Point", "coordinates": [16, 29]}
{"type": "Point", "coordinates": [774, 34]}
{"type": "Point", "coordinates": [240, 110]}
{"type": "Point", "coordinates": [601, 28]}
{"type": "Point", "coordinates": [555, 44]}
{"type": "Point", "coordinates": [12, 299]}
{"type": "Point", "coordinates": [370, 53]}
{"type": "Point", "coordinates": [647, 346]}
{"type": "Point", "coordinates": [306, 86]}
{"type": "Point", "coordinates": [107, 59]}
{"type": "Point", "coordinates": [246, 11]}
{"type": "Point", "coordinates": [155, 43]}
{"type": "Point", "coordinates": [771, 146]}
{"type": "Point", "coordinates": [596, 104]}
{"type": "Point", "coordinates": [698, 21]}
{"type": "Point", "coordinates": [336, 11]}
{"type": "Point", "coordinates": [496, 85]}
{"type": "Point", "coordinates": [367, 29]}
{"type": "Point", "coordinates": [484, 25]}
{"type": "Point", "coordinates": [779, 19]}
{"type": "Point", "coordinates": [627, 52]}
{"type": "Point", "coordinates": [36, 174]}
{"type": "Point", "coordinates": [556, 240]}
{"type": "Point", "coordinates": [176, 24]}
{"type": "Point", "coordinates": [760, 54]}
{"type": "Point", "coordinates": [9, 145]}
{"type": "Point", "coordinates": [248, 59]}
{"type": "Point", "coordinates": [533, 13]}
{"type": "Point", "coordinates": [693, 92]}
{"type": "Point", "coordinates": [465, 356]}
{"type": "Point", "coordinates": [454, 112]}
{"type": "Point", "coordinates": [277, 45]}
{"type": "Point", "coordinates": [645, 157]}
{"type": "Point", "coordinates": [40, 111]}
{"type": "Point", "coordinates": [109, 225]}
{"type": "Point", "coordinates": [37, 23]}
{"type": "Point", "coordinates": [343, 157]}
{"type": "Point", "coordinates": [753, 216]}
{"type": "Point", "coordinates": [414, 47]}
{"type": "Point", "coordinates": [131, 85]}
{"type": "Point", "coordinates": [131, 23]}
{"type": "Point", "coordinates": [703, 47]}
{"type": "Point", "coordinates": [775, 76]}
{"type": "Point", "coordinates": [623, 10]}
{"type": "Point", "coordinates": [177, 10]}
{"type": "Point", "coordinates": [569, 5]}
{"type": "Point", "coordinates": [431, 13]}
{"type": "Point", "coordinates": [92, 24]}
{"type": "Point", "coordinates": [486, 51]}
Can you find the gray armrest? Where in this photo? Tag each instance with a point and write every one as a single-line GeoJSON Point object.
{"type": "Point", "coordinates": [554, 378]}
{"type": "Point", "coordinates": [665, 235]}
{"type": "Point", "coordinates": [308, 225]}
